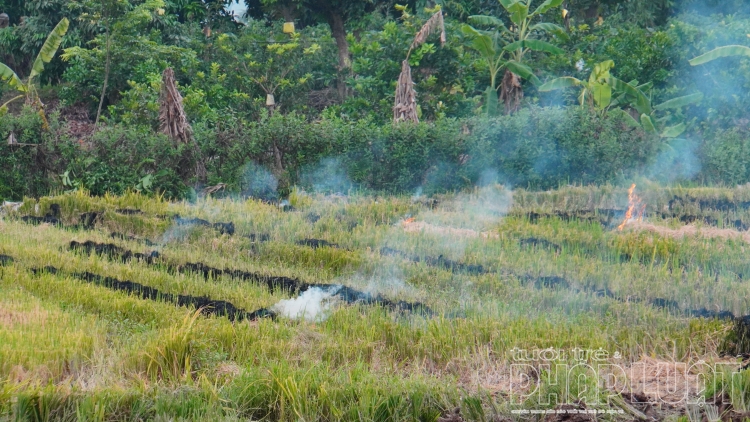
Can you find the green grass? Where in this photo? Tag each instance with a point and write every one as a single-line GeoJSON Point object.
{"type": "Point", "coordinates": [73, 350]}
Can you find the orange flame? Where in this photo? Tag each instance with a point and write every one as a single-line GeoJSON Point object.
{"type": "Point", "coordinates": [636, 207]}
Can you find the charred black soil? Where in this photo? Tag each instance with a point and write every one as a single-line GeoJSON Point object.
{"type": "Point", "coordinates": [607, 218]}
{"type": "Point", "coordinates": [706, 204]}
{"type": "Point", "coordinates": [207, 305]}
{"type": "Point", "coordinates": [112, 251]}
{"type": "Point", "coordinates": [122, 236]}
{"type": "Point", "coordinates": [258, 237]}
{"type": "Point", "coordinates": [317, 243]}
{"type": "Point", "coordinates": [439, 261]}
{"type": "Point", "coordinates": [273, 283]}
{"type": "Point", "coordinates": [223, 228]}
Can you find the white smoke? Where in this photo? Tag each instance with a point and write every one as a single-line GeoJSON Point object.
{"type": "Point", "coordinates": [312, 305]}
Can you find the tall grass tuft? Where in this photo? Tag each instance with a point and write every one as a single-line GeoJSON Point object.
{"type": "Point", "coordinates": [173, 361]}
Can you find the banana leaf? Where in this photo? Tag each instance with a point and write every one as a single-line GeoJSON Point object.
{"type": "Point", "coordinates": [47, 53]}
{"type": "Point", "coordinates": [680, 101]}
{"type": "Point", "coordinates": [560, 83]}
{"type": "Point", "coordinates": [547, 5]}
{"type": "Point", "coordinates": [535, 45]}
{"type": "Point", "coordinates": [523, 71]}
{"type": "Point", "coordinates": [673, 131]}
{"type": "Point", "coordinates": [9, 76]}
{"type": "Point", "coordinates": [726, 51]}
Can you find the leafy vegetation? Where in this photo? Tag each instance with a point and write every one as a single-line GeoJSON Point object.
{"type": "Point", "coordinates": [361, 210]}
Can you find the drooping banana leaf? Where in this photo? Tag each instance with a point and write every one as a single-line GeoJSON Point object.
{"type": "Point", "coordinates": [547, 5]}
{"type": "Point", "coordinates": [47, 53]}
{"type": "Point", "coordinates": [9, 76]}
{"type": "Point", "coordinates": [5, 106]}
{"type": "Point", "coordinates": [547, 27]}
{"type": "Point", "coordinates": [481, 42]}
{"type": "Point", "coordinates": [627, 117]}
{"type": "Point", "coordinates": [536, 45]}
{"type": "Point", "coordinates": [673, 131]}
{"type": "Point", "coordinates": [680, 101]}
{"type": "Point", "coordinates": [641, 102]}
{"type": "Point", "coordinates": [726, 51]}
{"type": "Point", "coordinates": [519, 11]}
{"type": "Point", "coordinates": [560, 83]}
{"type": "Point", "coordinates": [486, 21]}
{"type": "Point", "coordinates": [523, 71]}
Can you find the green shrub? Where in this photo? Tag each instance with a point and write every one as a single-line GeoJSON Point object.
{"type": "Point", "coordinates": [24, 168]}
{"type": "Point", "coordinates": [726, 157]}
{"type": "Point", "coordinates": [118, 158]}
{"type": "Point", "coordinates": [544, 147]}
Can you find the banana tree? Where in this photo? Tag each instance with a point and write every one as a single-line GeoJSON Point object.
{"type": "Point", "coordinates": [604, 91]}
{"type": "Point", "coordinates": [46, 54]}
{"type": "Point", "coordinates": [596, 91]}
{"type": "Point", "coordinates": [515, 42]}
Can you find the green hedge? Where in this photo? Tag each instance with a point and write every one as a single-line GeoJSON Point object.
{"type": "Point", "coordinates": [537, 148]}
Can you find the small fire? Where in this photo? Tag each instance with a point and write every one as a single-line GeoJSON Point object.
{"type": "Point", "coordinates": [636, 207]}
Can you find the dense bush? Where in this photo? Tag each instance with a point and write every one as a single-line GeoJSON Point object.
{"type": "Point", "coordinates": [22, 168]}
{"type": "Point", "coordinates": [537, 148]}
{"type": "Point", "coordinates": [114, 159]}
{"type": "Point", "coordinates": [725, 156]}
{"type": "Point", "coordinates": [118, 158]}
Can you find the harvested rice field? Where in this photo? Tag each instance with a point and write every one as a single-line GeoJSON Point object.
{"type": "Point", "coordinates": [583, 303]}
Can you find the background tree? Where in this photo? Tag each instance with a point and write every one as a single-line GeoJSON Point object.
{"type": "Point", "coordinates": [522, 37]}
{"type": "Point", "coordinates": [128, 47]}
{"type": "Point", "coordinates": [336, 13]}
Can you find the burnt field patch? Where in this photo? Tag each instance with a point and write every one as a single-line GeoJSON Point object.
{"type": "Point", "coordinates": [607, 218]}
{"type": "Point", "coordinates": [317, 243]}
{"type": "Point", "coordinates": [706, 204]}
{"type": "Point", "coordinates": [222, 228]}
{"type": "Point", "coordinates": [207, 305]}
{"type": "Point", "coordinates": [347, 294]}
{"type": "Point", "coordinates": [724, 221]}
{"type": "Point", "coordinates": [437, 261]}
{"type": "Point", "coordinates": [113, 251]}
{"type": "Point", "coordinates": [672, 306]}
{"type": "Point", "coordinates": [122, 236]}
{"type": "Point", "coordinates": [536, 242]}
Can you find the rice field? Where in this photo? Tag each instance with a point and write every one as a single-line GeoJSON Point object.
{"type": "Point", "coordinates": [485, 305]}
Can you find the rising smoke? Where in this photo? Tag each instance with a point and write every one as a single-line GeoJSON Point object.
{"type": "Point", "coordinates": [312, 305]}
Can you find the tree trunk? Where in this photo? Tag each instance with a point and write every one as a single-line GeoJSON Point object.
{"type": "Point", "coordinates": [336, 22]}
{"type": "Point", "coordinates": [106, 80]}
{"type": "Point", "coordinates": [511, 92]}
